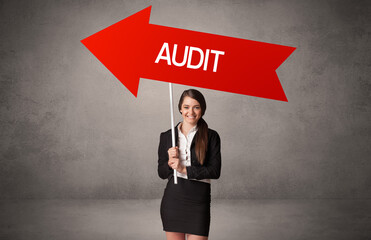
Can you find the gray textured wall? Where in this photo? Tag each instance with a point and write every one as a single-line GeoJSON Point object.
{"type": "Point", "coordinates": [69, 129]}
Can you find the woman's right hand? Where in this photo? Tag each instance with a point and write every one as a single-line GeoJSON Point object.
{"type": "Point", "coordinates": [173, 152]}
{"type": "Point", "coordinates": [173, 157]}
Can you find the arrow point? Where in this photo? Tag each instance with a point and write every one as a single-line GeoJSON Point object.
{"type": "Point", "coordinates": [131, 83]}
{"type": "Point", "coordinates": [278, 92]}
{"type": "Point", "coordinates": [118, 47]}
{"type": "Point", "coordinates": [146, 11]}
{"type": "Point", "coordinates": [284, 98]}
{"type": "Point", "coordinates": [141, 17]}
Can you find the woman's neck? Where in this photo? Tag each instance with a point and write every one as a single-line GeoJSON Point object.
{"type": "Point", "coordinates": [185, 127]}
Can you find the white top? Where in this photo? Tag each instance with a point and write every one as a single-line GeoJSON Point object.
{"type": "Point", "coordinates": [184, 146]}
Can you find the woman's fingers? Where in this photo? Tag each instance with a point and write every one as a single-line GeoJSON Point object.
{"type": "Point", "coordinates": [173, 157]}
{"type": "Point", "coordinates": [173, 152]}
{"type": "Point", "coordinates": [173, 163]}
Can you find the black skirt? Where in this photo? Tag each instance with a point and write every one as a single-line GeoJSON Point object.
{"type": "Point", "coordinates": [185, 207]}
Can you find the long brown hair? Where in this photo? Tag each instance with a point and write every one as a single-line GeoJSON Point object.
{"type": "Point", "coordinates": [201, 135]}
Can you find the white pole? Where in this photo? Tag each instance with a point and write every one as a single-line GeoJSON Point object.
{"type": "Point", "coordinates": [172, 125]}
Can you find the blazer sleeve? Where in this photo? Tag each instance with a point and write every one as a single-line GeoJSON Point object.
{"type": "Point", "coordinates": [212, 167]}
{"type": "Point", "coordinates": [163, 169]}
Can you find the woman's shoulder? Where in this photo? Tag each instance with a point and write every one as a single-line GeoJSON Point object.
{"type": "Point", "coordinates": [212, 133]}
{"type": "Point", "coordinates": [168, 132]}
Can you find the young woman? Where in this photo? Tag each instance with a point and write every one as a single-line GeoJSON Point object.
{"type": "Point", "coordinates": [185, 207]}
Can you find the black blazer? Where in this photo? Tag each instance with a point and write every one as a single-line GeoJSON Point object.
{"type": "Point", "coordinates": [212, 164]}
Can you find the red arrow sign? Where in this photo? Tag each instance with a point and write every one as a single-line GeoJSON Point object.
{"type": "Point", "coordinates": [134, 48]}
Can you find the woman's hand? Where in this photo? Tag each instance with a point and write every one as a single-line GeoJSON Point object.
{"type": "Point", "coordinates": [173, 152]}
{"type": "Point", "coordinates": [174, 162]}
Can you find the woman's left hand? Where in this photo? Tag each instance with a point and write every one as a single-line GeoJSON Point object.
{"type": "Point", "coordinates": [174, 163]}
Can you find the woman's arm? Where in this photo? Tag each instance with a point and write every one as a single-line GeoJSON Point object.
{"type": "Point", "coordinates": [163, 169]}
{"type": "Point", "coordinates": [212, 167]}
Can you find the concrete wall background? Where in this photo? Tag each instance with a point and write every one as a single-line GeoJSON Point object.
{"type": "Point", "coordinates": [69, 129]}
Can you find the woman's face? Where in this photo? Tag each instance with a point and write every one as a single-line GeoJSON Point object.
{"type": "Point", "coordinates": [191, 110]}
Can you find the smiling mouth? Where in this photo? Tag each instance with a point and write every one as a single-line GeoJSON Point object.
{"type": "Point", "coordinates": [191, 117]}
